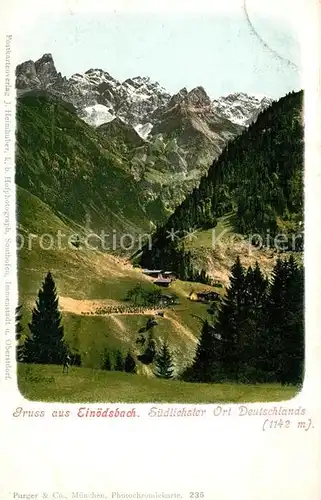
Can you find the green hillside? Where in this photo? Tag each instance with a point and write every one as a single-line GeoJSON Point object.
{"type": "Point", "coordinates": [258, 179]}
{"type": "Point", "coordinates": [88, 280]}
{"type": "Point", "coordinates": [68, 165]}
{"type": "Point", "coordinates": [83, 385]}
{"type": "Point", "coordinates": [80, 272]}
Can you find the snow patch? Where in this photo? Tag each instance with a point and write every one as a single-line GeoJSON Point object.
{"type": "Point", "coordinates": [241, 108]}
{"type": "Point", "coordinates": [97, 115]}
{"type": "Point", "coordinates": [144, 129]}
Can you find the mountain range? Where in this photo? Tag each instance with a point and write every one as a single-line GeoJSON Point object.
{"type": "Point", "coordinates": [169, 141]}
{"type": "Point", "coordinates": [237, 166]}
{"type": "Point", "coordinates": [99, 97]}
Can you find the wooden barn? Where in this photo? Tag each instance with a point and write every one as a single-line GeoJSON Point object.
{"type": "Point", "coordinates": [169, 274]}
{"type": "Point", "coordinates": [153, 273]}
{"type": "Point", "coordinates": [204, 296]}
{"type": "Point", "coordinates": [165, 282]}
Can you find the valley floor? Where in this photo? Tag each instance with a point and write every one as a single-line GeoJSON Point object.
{"type": "Point", "coordinates": [85, 385]}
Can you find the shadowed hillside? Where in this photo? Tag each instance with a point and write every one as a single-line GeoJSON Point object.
{"type": "Point", "coordinates": [258, 180]}
{"type": "Point", "coordinates": [66, 164]}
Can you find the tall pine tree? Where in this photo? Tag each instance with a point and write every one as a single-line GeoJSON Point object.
{"type": "Point", "coordinates": [250, 329]}
{"type": "Point", "coordinates": [130, 364]}
{"type": "Point", "coordinates": [20, 347]}
{"type": "Point", "coordinates": [106, 361]}
{"type": "Point", "coordinates": [230, 322]}
{"type": "Point", "coordinates": [293, 359]}
{"type": "Point", "coordinates": [164, 366]}
{"type": "Point", "coordinates": [119, 362]}
{"type": "Point", "coordinates": [46, 343]}
{"type": "Point", "coordinates": [284, 340]}
{"type": "Point", "coordinates": [206, 366]}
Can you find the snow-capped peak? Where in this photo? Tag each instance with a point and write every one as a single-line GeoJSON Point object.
{"type": "Point", "coordinates": [139, 101]}
{"type": "Point", "coordinates": [241, 108]}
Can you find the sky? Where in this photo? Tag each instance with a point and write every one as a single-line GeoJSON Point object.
{"type": "Point", "coordinates": [218, 49]}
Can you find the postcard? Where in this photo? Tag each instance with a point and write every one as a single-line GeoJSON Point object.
{"type": "Point", "coordinates": [160, 274]}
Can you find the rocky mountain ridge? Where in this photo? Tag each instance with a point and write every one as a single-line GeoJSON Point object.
{"type": "Point", "coordinates": [167, 141]}
{"type": "Point", "coordinates": [241, 108]}
{"type": "Point", "coordinates": [99, 97]}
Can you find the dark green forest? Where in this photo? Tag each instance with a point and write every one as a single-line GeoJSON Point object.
{"type": "Point", "coordinates": [258, 177]}
{"type": "Point", "coordinates": [257, 333]}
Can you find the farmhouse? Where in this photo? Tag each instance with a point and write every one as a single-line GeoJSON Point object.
{"type": "Point", "coordinates": [163, 278]}
{"type": "Point", "coordinates": [169, 274]}
{"type": "Point", "coordinates": [165, 282]}
{"type": "Point", "coordinates": [153, 273]}
{"type": "Point", "coordinates": [204, 296]}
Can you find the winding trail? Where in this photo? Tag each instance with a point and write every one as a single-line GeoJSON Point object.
{"type": "Point", "coordinates": [89, 307]}
{"type": "Point", "coordinates": [119, 323]}
{"type": "Point", "coordinates": [92, 307]}
{"type": "Point", "coordinates": [181, 328]}
{"type": "Point", "coordinates": [84, 306]}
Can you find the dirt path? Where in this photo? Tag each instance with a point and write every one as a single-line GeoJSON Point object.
{"type": "Point", "coordinates": [89, 307]}
{"type": "Point", "coordinates": [146, 312]}
{"type": "Point", "coordinates": [119, 323]}
{"type": "Point", "coordinates": [181, 328]}
{"type": "Point", "coordinates": [77, 306]}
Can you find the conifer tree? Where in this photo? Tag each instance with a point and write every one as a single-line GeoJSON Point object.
{"type": "Point", "coordinates": [284, 340]}
{"type": "Point", "coordinates": [149, 353]}
{"type": "Point", "coordinates": [119, 362]}
{"type": "Point", "coordinates": [206, 364]}
{"type": "Point", "coordinates": [20, 348]}
{"type": "Point", "coordinates": [230, 322]}
{"type": "Point", "coordinates": [46, 343]}
{"type": "Point", "coordinates": [130, 364]}
{"type": "Point", "coordinates": [255, 298]}
{"type": "Point", "coordinates": [164, 366]}
{"type": "Point", "coordinates": [106, 361]}
{"type": "Point", "coordinates": [294, 349]}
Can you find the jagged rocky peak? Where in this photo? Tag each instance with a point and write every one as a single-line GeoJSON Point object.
{"type": "Point", "coordinates": [98, 75]}
{"type": "Point", "coordinates": [241, 108]}
{"type": "Point", "coordinates": [183, 92]}
{"type": "Point", "coordinates": [197, 97]}
{"type": "Point", "coordinates": [38, 75]}
{"type": "Point", "coordinates": [92, 79]}
{"type": "Point", "coordinates": [177, 98]}
{"type": "Point", "coordinates": [138, 81]}
{"type": "Point", "coordinates": [45, 61]}
{"type": "Point", "coordinates": [145, 85]}
{"type": "Point", "coordinates": [26, 75]}
{"type": "Point", "coordinates": [139, 101]}
{"type": "Point", "coordinates": [46, 69]}
{"type": "Point", "coordinates": [236, 96]}
{"type": "Point", "coordinates": [132, 82]}
{"type": "Point", "coordinates": [96, 71]}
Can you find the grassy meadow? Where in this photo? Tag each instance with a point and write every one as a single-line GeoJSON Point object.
{"type": "Point", "coordinates": [85, 385]}
{"type": "Point", "coordinates": [88, 279]}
